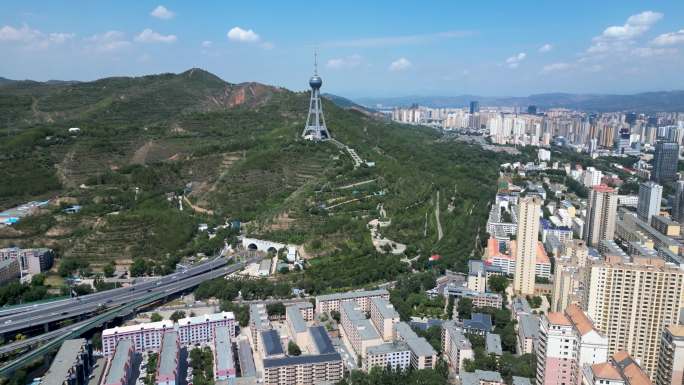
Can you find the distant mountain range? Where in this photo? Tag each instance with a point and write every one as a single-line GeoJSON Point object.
{"type": "Point", "coordinates": [641, 102]}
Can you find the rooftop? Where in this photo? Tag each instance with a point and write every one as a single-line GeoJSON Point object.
{"type": "Point", "coordinates": [271, 342]}
{"type": "Point", "coordinates": [390, 347]}
{"type": "Point", "coordinates": [521, 381]}
{"type": "Point", "coordinates": [359, 321]}
{"type": "Point", "coordinates": [579, 319]}
{"type": "Point", "coordinates": [629, 369]}
{"type": "Point", "coordinates": [226, 315]}
{"type": "Point", "coordinates": [558, 318]}
{"type": "Point", "coordinates": [480, 375]}
{"type": "Point", "coordinates": [247, 367]}
{"type": "Point", "coordinates": [295, 318]}
{"type": "Point", "coordinates": [321, 339]}
{"type": "Point", "coordinates": [479, 321]}
{"type": "Point", "coordinates": [258, 316]}
{"type": "Point", "coordinates": [168, 356]}
{"type": "Point", "coordinates": [117, 368]}
{"type": "Point", "coordinates": [65, 359]}
{"type": "Point", "coordinates": [493, 343]}
{"type": "Point", "coordinates": [606, 371]}
{"type": "Point", "coordinates": [676, 330]}
{"type": "Point", "coordinates": [223, 348]}
{"type": "Point", "coordinates": [351, 295]}
{"type": "Point", "coordinates": [418, 345]}
{"type": "Point", "coordinates": [166, 324]}
{"type": "Point", "coordinates": [529, 325]}
{"type": "Point", "coordinates": [301, 360]}
{"type": "Point", "coordinates": [385, 308]}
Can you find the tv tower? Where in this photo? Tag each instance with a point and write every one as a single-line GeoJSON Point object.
{"type": "Point", "coordinates": [315, 122]}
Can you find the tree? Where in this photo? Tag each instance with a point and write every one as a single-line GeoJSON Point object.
{"type": "Point", "coordinates": [109, 269]}
{"type": "Point", "coordinates": [138, 268]}
{"type": "Point", "coordinates": [335, 315]}
{"type": "Point", "coordinates": [498, 283]}
{"type": "Point", "coordinates": [293, 349]}
{"type": "Point", "coordinates": [450, 307]}
{"type": "Point", "coordinates": [82, 289]}
{"type": "Point", "coordinates": [176, 315]}
{"type": "Point", "coordinates": [275, 309]}
{"type": "Point", "coordinates": [464, 308]}
{"type": "Point", "coordinates": [156, 317]}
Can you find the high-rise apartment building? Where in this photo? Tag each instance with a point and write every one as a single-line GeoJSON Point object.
{"type": "Point", "coordinates": [650, 195]}
{"type": "Point", "coordinates": [474, 106]}
{"type": "Point", "coordinates": [556, 363]}
{"type": "Point", "coordinates": [529, 209]}
{"type": "Point", "coordinates": [671, 359]}
{"type": "Point", "coordinates": [633, 301]}
{"type": "Point", "coordinates": [567, 342]}
{"type": "Point", "coordinates": [665, 162]}
{"type": "Point", "coordinates": [678, 203]}
{"type": "Point", "coordinates": [600, 221]}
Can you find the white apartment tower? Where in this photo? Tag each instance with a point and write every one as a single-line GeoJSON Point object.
{"type": "Point", "coordinates": [650, 194]}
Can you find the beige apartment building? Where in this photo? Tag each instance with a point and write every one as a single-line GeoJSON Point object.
{"type": "Point", "coordinates": [600, 221]}
{"type": "Point", "coordinates": [529, 209]}
{"type": "Point", "coordinates": [632, 302]}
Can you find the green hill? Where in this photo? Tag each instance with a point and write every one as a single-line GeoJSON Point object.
{"type": "Point", "coordinates": [236, 149]}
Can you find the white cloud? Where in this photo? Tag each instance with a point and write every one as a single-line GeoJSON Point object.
{"type": "Point", "coordinates": [400, 64]}
{"type": "Point", "coordinates": [514, 61]}
{"type": "Point", "coordinates": [650, 52]}
{"type": "Point", "coordinates": [556, 67]}
{"type": "Point", "coordinates": [545, 48]}
{"type": "Point", "coordinates": [244, 36]}
{"type": "Point", "coordinates": [352, 61]}
{"type": "Point", "coordinates": [635, 26]}
{"type": "Point", "coordinates": [670, 38]}
{"type": "Point", "coordinates": [108, 42]}
{"type": "Point", "coordinates": [398, 40]}
{"type": "Point", "coordinates": [60, 37]}
{"type": "Point", "coordinates": [22, 34]}
{"type": "Point", "coordinates": [207, 44]}
{"type": "Point", "coordinates": [149, 36]}
{"type": "Point", "coordinates": [161, 12]}
{"type": "Point", "coordinates": [31, 38]}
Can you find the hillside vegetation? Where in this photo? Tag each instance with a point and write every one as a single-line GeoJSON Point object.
{"type": "Point", "coordinates": [235, 150]}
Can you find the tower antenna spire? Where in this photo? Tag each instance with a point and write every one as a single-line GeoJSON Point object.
{"type": "Point", "coordinates": [315, 61]}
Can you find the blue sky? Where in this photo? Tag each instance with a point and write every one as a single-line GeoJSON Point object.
{"type": "Point", "coordinates": [380, 48]}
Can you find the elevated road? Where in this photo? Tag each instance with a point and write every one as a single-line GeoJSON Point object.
{"type": "Point", "coordinates": [32, 316]}
{"type": "Point", "coordinates": [53, 339]}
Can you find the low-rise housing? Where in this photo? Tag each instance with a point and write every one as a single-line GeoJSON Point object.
{"type": "Point", "coordinates": [224, 363]}
{"type": "Point", "coordinates": [482, 377]}
{"type": "Point", "coordinates": [479, 323]}
{"type": "Point", "coordinates": [423, 355]}
{"type": "Point", "coordinates": [72, 364]}
{"type": "Point", "coordinates": [455, 346]}
{"type": "Point", "coordinates": [384, 317]}
{"type": "Point", "coordinates": [148, 336]}
{"type": "Point", "coordinates": [120, 367]}
{"type": "Point", "coordinates": [357, 329]}
{"type": "Point", "coordinates": [167, 363]}
{"type": "Point", "coordinates": [329, 302]}
{"type": "Point", "coordinates": [395, 355]}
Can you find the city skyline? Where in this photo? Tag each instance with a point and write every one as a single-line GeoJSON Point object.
{"type": "Point", "coordinates": [592, 48]}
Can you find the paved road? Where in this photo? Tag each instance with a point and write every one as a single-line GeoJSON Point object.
{"type": "Point", "coordinates": [144, 298]}
{"type": "Point", "coordinates": [40, 314]}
